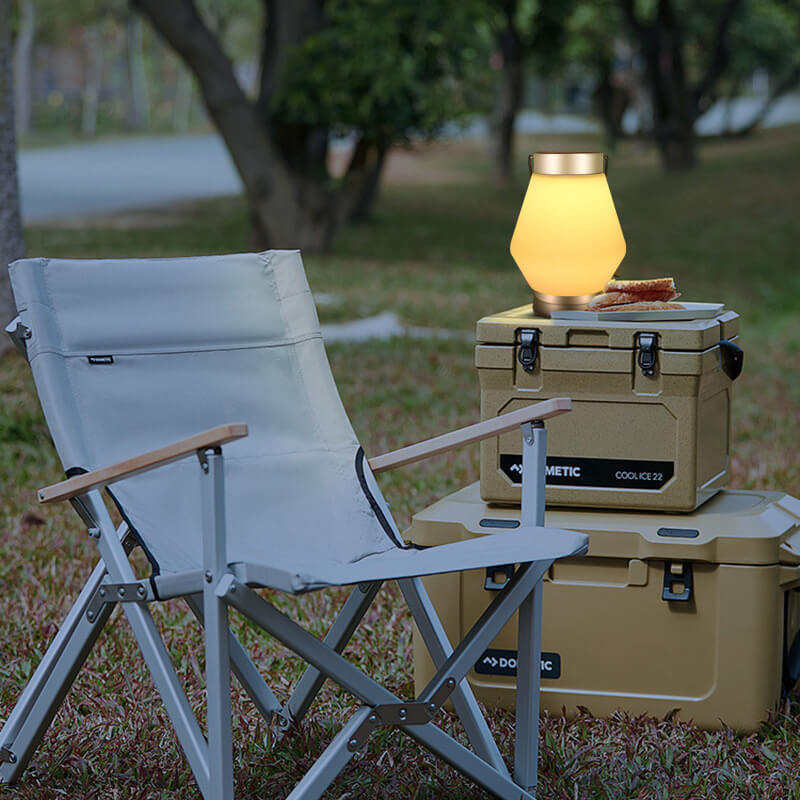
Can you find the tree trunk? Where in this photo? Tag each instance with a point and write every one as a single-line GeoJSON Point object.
{"type": "Point", "coordinates": [23, 64]}
{"type": "Point", "coordinates": [283, 169]}
{"type": "Point", "coordinates": [359, 190]}
{"type": "Point", "coordinates": [678, 148]}
{"type": "Point", "coordinates": [11, 241]}
{"type": "Point", "coordinates": [677, 104]}
{"type": "Point", "coordinates": [138, 116]}
{"type": "Point", "coordinates": [508, 94]}
{"type": "Point", "coordinates": [673, 114]}
{"type": "Point", "coordinates": [610, 103]}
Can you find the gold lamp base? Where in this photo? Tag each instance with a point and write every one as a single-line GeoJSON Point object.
{"type": "Point", "coordinates": [545, 304]}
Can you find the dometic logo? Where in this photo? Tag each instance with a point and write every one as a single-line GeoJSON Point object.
{"type": "Point", "coordinates": [504, 662]}
{"type": "Point", "coordinates": [551, 470]}
{"type": "Point", "coordinates": [563, 471]}
{"type": "Point", "coordinates": [607, 473]}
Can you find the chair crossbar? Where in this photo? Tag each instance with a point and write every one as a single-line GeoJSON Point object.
{"type": "Point", "coordinates": [52, 679]}
{"type": "Point", "coordinates": [462, 698]}
{"type": "Point", "coordinates": [368, 691]}
{"type": "Point", "coordinates": [338, 636]}
{"type": "Point", "coordinates": [243, 668]}
{"type": "Point", "coordinates": [480, 636]}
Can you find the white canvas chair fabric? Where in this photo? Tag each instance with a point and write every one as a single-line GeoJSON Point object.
{"type": "Point", "coordinates": [132, 355]}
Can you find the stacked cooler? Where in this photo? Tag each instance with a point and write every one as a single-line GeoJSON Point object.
{"type": "Point", "coordinates": [684, 599]}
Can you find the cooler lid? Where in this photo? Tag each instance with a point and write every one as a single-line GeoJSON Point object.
{"type": "Point", "coordinates": [733, 527]}
{"type": "Point", "coordinates": [699, 334]}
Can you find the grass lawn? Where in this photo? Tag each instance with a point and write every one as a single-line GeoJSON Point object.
{"type": "Point", "coordinates": [436, 254]}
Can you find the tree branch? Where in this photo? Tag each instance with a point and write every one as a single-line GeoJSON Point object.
{"type": "Point", "coordinates": [789, 81]}
{"type": "Point", "coordinates": [179, 22]}
{"type": "Point", "coordinates": [287, 23]}
{"type": "Point", "coordinates": [719, 58]}
{"type": "Point", "coordinates": [269, 57]}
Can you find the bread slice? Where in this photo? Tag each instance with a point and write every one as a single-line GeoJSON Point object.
{"type": "Point", "coordinates": [652, 284]}
{"type": "Point", "coordinates": [651, 305]}
{"type": "Point", "coordinates": [618, 298]}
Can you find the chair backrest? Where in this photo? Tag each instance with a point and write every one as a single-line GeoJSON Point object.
{"type": "Point", "coordinates": [130, 355]}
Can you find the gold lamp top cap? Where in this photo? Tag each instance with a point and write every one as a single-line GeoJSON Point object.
{"type": "Point", "coordinates": [568, 163]}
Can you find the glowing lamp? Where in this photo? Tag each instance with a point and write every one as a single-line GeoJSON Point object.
{"type": "Point", "coordinates": [567, 241]}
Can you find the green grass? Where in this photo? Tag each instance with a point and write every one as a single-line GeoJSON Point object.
{"type": "Point", "coordinates": [436, 254]}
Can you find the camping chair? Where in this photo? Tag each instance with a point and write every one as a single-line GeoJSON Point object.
{"type": "Point", "coordinates": [141, 364]}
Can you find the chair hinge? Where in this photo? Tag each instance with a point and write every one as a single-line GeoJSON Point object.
{"type": "Point", "coordinates": [648, 352]}
{"type": "Point", "coordinates": [137, 592]}
{"type": "Point", "coordinates": [677, 572]}
{"type": "Point", "coordinates": [416, 713]}
{"type": "Point", "coordinates": [528, 348]}
{"type": "Point", "coordinates": [19, 334]}
{"type": "Point", "coordinates": [7, 756]}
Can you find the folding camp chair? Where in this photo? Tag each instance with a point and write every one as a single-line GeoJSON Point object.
{"type": "Point", "coordinates": [139, 364]}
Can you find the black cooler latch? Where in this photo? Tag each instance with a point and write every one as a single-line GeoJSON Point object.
{"type": "Point", "coordinates": [732, 358]}
{"type": "Point", "coordinates": [677, 572]}
{"type": "Point", "coordinates": [528, 348]}
{"type": "Point", "coordinates": [647, 353]}
{"type": "Point", "coordinates": [505, 572]}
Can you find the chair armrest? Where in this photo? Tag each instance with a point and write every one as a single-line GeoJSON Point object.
{"type": "Point", "coordinates": [472, 433]}
{"type": "Point", "coordinates": [80, 484]}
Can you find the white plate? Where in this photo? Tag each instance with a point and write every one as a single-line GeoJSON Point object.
{"type": "Point", "coordinates": [688, 312]}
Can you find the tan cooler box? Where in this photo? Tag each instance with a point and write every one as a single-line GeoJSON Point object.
{"type": "Point", "coordinates": [651, 420]}
{"type": "Point", "coordinates": [690, 611]}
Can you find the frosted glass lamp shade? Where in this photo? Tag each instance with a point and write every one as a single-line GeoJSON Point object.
{"type": "Point", "coordinates": [567, 241]}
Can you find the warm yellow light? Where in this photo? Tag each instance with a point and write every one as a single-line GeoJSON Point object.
{"type": "Point", "coordinates": [567, 240]}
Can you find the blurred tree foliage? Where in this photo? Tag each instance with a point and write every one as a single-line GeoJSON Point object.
{"type": "Point", "coordinates": [379, 70]}
{"type": "Point", "coordinates": [767, 37]}
{"type": "Point", "coordinates": [686, 50]}
{"type": "Point", "coordinates": [383, 72]}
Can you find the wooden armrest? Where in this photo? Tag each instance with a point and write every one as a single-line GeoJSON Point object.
{"type": "Point", "coordinates": [472, 433]}
{"type": "Point", "coordinates": [81, 484]}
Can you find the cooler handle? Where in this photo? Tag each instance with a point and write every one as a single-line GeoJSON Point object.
{"type": "Point", "coordinates": [732, 357]}
{"type": "Point", "coordinates": [788, 553]}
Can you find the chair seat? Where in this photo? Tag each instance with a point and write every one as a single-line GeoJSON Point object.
{"type": "Point", "coordinates": [493, 550]}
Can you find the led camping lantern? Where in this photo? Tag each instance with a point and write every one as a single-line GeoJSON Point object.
{"type": "Point", "coordinates": [567, 241]}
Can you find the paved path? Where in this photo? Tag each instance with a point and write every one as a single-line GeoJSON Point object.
{"type": "Point", "coordinates": [106, 176]}
{"type": "Point", "coordinates": [120, 174]}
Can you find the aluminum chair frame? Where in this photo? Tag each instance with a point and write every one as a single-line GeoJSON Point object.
{"type": "Point", "coordinates": [215, 589]}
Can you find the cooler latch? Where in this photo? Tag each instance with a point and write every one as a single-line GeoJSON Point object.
{"type": "Point", "coordinates": [528, 348]}
{"type": "Point", "coordinates": [677, 573]}
{"type": "Point", "coordinates": [504, 572]}
{"type": "Point", "coordinates": [647, 353]}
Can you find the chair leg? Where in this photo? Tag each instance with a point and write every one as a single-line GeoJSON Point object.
{"type": "Point", "coordinates": [243, 668]}
{"type": "Point", "coordinates": [152, 647]}
{"type": "Point", "coordinates": [463, 698]}
{"type": "Point", "coordinates": [338, 636]}
{"type": "Point", "coordinates": [526, 744]}
{"type": "Point", "coordinates": [215, 613]}
{"type": "Point", "coordinates": [42, 697]}
{"type": "Point", "coordinates": [218, 693]}
{"type": "Point", "coordinates": [529, 627]}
